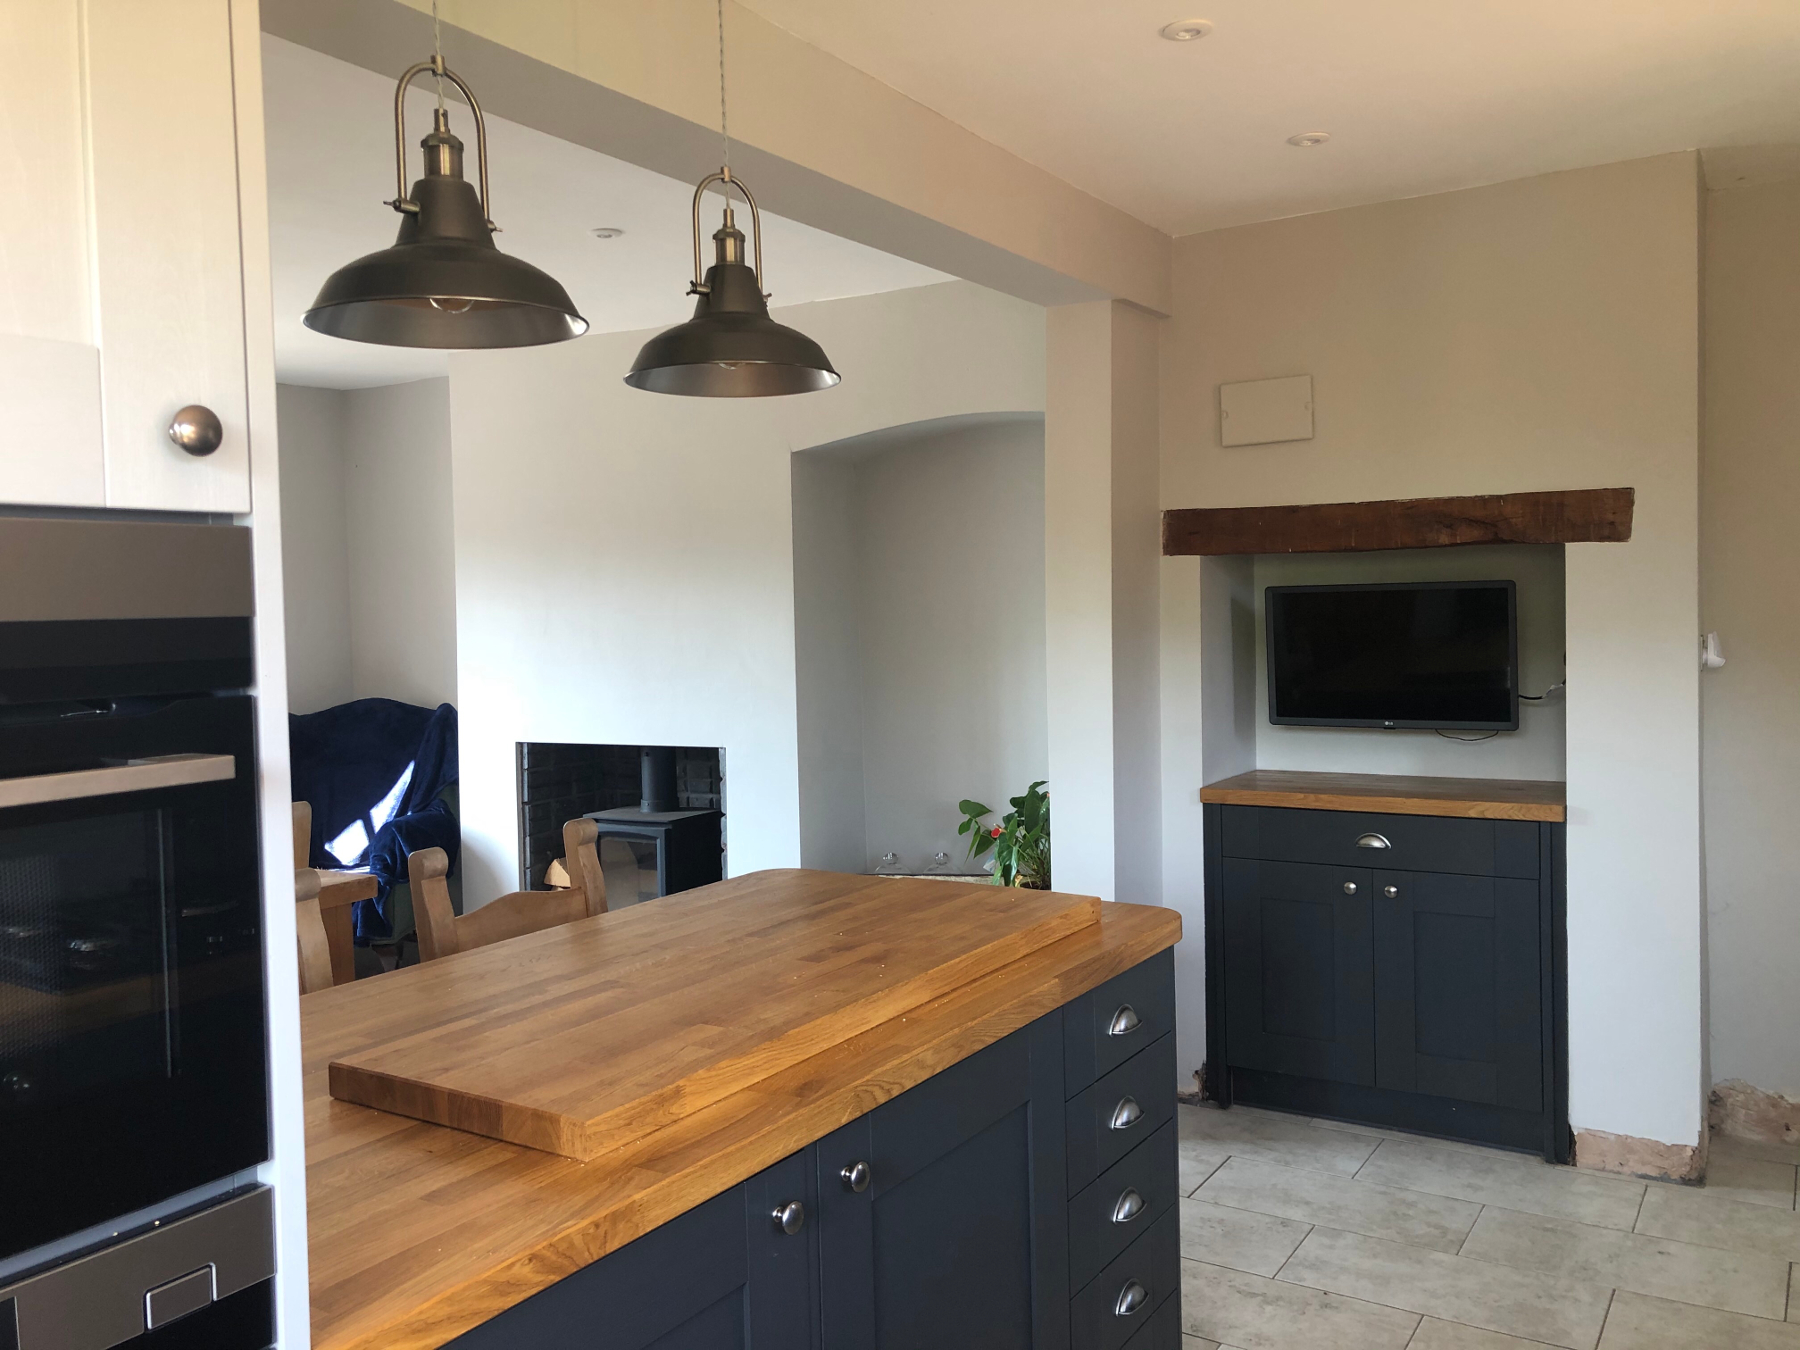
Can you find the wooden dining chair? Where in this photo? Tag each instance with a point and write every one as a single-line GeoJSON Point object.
{"type": "Point", "coordinates": [309, 928]}
{"type": "Point", "coordinates": [442, 931]}
{"type": "Point", "coordinates": [302, 834]}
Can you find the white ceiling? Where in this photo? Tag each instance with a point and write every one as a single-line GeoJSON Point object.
{"type": "Point", "coordinates": [1419, 96]}
{"type": "Point", "coordinates": [331, 147]}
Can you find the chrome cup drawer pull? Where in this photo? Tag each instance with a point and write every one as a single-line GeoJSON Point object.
{"type": "Point", "coordinates": [1128, 1206]}
{"type": "Point", "coordinates": [1373, 841]}
{"type": "Point", "coordinates": [1124, 1021]}
{"type": "Point", "coordinates": [1126, 1114]}
{"type": "Point", "coordinates": [1131, 1298]}
{"type": "Point", "coordinates": [789, 1218]}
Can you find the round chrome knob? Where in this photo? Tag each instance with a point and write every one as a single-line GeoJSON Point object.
{"type": "Point", "coordinates": [1390, 891]}
{"type": "Point", "coordinates": [790, 1218]}
{"type": "Point", "coordinates": [1126, 1114]}
{"type": "Point", "coordinates": [1132, 1297]}
{"type": "Point", "coordinates": [1128, 1206]}
{"type": "Point", "coordinates": [1349, 888]}
{"type": "Point", "coordinates": [856, 1176]}
{"type": "Point", "coordinates": [196, 429]}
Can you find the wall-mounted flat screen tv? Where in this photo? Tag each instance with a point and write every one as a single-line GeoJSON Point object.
{"type": "Point", "coordinates": [1436, 655]}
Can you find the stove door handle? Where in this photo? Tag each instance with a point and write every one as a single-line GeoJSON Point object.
{"type": "Point", "coordinates": [134, 775]}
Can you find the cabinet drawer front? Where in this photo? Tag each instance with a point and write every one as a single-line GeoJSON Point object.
{"type": "Point", "coordinates": [1484, 848]}
{"type": "Point", "coordinates": [1127, 1199]}
{"type": "Point", "coordinates": [1163, 1330]}
{"type": "Point", "coordinates": [1107, 1026]}
{"type": "Point", "coordinates": [1103, 1316]}
{"type": "Point", "coordinates": [1119, 1112]}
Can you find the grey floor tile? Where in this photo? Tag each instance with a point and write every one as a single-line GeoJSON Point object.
{"type": "Point", "coordinates": [1438, 1335]}
{"type": "Point", "coordinates": [1192, 1168]}
{"type": "Point", "coordinates": [1756, 1181]}
{"type": "Point", "coordinates": [1198, 1343]}
{"type": "Point", "coordinates": [1405, 1136]}
{"type": "Point", "coordinates": [1690, 1215]}
{"type": "Point", "coordinates": [1754, 1148]}
{"type": "Point", "coordinates": [1513, 1181]}
{"type": "Point", "coordinates": [1255, 1243]}
{"type": "Point", "coordinates": [1208, 1134]}
{"type": "Point", "coordinates": [1529, 1304]}
{"type": "Point", "coordinates": [1793, 1308]}
{"type": "Point", "coordinates": [1640, 1323]}
{"type": "Point", "coordinates": [1338, 1202]}
{"type": "Point", "coordinates": [1659, 1266]}
{"type": "Point", "coordinates": [1254, 1313]}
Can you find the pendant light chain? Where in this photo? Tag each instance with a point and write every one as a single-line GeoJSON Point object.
{"type": "Point", "coordinates": [724, 130]}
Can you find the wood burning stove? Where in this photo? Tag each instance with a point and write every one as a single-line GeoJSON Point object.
{"type": "Point", "coordinates": [657, 809]}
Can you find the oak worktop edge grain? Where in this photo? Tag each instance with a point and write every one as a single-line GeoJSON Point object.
{"type": "Point", "coordinates": [419, 1232]}
{"type": "Point", "coordinates": [1393, 794]}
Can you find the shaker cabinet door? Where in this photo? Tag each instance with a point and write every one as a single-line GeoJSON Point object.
{"type": "Point", "coordinates": [1458, 1009]}
{"type": "Point", "coordinates": [168, 268]}
{"type": "Point", "coordinates": [726, 1275]}
{"type": "Point", "coordinates": [1298, 950]}
{"type": "Point", "coordinates": [956, 1231]}
{"type": "Point", "coordinates": [123, 297]}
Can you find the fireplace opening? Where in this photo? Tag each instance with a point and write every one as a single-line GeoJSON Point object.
{"type": "Point", "coordinates": [659, 809]}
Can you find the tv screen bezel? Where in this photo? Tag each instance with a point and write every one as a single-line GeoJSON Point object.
{"type": "Point", "coordinates": [1399, 724]}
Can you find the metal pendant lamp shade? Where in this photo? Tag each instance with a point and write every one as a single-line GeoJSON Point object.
{"type": "Point", "coordinates": [443, 283]}
{"type": "Point", "coordinates": [731, 348]}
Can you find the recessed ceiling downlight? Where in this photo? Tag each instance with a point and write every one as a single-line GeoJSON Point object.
{"type": "Point", "coordinates": [1186, 30]}
{"type": "Point", "coordinates": [1309, 138]}
{"type": "Point", "coordinates": [607, 232]}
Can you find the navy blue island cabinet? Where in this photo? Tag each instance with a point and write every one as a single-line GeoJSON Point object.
{"type": "Point", "coordinates": [1022, 1199]}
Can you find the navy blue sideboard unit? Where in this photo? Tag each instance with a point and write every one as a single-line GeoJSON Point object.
{"type": "Point", "coordinates": [1398, 969]}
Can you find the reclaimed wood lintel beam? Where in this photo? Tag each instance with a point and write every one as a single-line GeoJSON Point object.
{"type": "Point", "coordinates": [1578, 516]}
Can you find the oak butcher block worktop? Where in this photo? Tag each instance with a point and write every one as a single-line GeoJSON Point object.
{"type": "Point", "coordinates": [582, 1038]}
{"type": "Point", "coordinates": [810, 999]}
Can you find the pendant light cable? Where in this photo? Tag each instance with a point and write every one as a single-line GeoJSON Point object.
{"type": "Point", "coordinates": [724, 131]}
{"type": "Point", "coordinates": [437, 52]}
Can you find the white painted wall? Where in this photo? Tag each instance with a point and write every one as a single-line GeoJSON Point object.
{"type": "Point", "coordinates": [1749, 565]}
{"type": "Point", "coordinates": [919, 622]}
{"type": "Point", "coordinates": [1102, 533]}
{"type": "Point", "coordinates": [828, 668]}
{"type": "Point", "coordinates": [1535, 750]}
{"type": "Point", "coordinates": [368, 557]}
{"type": "Point", "coordinates": [1530, 335]}
{"type": "Point", "coordinates": [401, 546]}
{"type": "Point", "coordinates": [624, 561]}
{"type": "Point", "coordinates": [315, 554]}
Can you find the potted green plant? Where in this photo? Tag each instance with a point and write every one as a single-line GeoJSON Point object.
{"type": "Point", "coordinates": [1020, 842]}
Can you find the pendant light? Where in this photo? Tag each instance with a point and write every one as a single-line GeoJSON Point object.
{"type": "Point", "coordinates": [443, 283]}
{"type": "Point", "coordinates": [731, 348]}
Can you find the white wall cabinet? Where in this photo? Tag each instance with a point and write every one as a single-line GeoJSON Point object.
{"type": "Point", "coordinates": [121, 276]}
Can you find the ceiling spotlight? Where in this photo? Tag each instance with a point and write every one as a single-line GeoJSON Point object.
{"type": "Point", "coordinates": [1309, 138]}
{"type": "Point", "coordinates": [606, 232]}
{"type": "Point", "coordinates": [1186, 30]}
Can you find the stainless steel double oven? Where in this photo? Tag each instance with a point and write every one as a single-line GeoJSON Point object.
{"type": "Point", "coordinates": [132, 1018]}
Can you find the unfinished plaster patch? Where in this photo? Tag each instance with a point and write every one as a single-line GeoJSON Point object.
{"type": "Point", "coordinates": [1621, 1153]}
{"type": "Point", "coordinates": [1737, 1110]}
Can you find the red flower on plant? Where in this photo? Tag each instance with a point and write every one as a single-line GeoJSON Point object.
{"type": "Point", "coordinates": [996, 831]}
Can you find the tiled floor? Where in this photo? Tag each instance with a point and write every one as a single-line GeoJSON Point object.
{"type": "Point", "coordinates": [1315, 1235]}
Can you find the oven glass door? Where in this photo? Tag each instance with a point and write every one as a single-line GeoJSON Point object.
{"type": "Point", "coordinates": [131, 994]}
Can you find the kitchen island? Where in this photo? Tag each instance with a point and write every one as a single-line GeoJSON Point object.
{"type": "Point", "coordinates": [998, 1081]}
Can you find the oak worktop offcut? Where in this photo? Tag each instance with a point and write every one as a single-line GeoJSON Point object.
{"type": "Point", "coordinates": [418, 1232]}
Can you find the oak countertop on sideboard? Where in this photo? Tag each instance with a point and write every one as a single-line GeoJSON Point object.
{"type": "Point", "coordinates": [418, 1231]}
{"type": "Point", "coordinates": [1394, 794]}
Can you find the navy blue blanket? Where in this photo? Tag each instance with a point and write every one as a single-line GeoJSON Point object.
{"type": "Point", "coordinates": [372, 770]}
